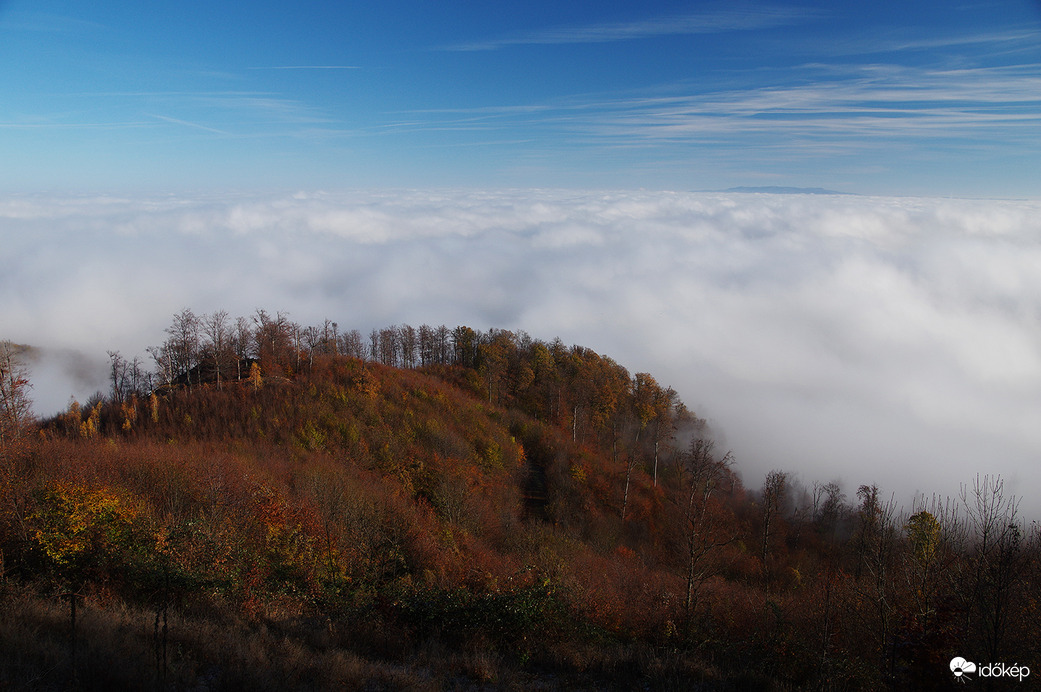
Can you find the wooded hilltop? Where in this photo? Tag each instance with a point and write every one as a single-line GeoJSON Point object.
{"type": "Point", "coordinates": [267, 506]}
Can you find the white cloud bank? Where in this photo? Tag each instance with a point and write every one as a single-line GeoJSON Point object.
{"type": "Point", "coordinates": [888, 340]}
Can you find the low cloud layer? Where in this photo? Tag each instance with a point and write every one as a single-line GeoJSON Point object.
{"type": "Point", "coordinates": [888, 340]}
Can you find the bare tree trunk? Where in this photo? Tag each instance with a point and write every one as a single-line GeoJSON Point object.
{"type": "Point", "coordinates": [655, 460]}
{"type": "Point", "coordinates": [629, 465]}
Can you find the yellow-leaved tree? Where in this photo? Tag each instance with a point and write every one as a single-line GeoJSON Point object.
{"type": "Point", "coordinates": [82, 529]}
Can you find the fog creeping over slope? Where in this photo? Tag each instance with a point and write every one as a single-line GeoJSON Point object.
{"type": "Point", "coordinates": [888, 340]}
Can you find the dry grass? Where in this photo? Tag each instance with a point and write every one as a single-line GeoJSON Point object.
{"type": "Point", "coordinates": [213, 648]}
{"type": "Point", "coordinates": [116, 649]}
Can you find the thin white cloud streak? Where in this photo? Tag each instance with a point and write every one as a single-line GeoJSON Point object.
{"type": "Point", "coordinates": [710, 22]}
{"type": "Point", "coordinates": [186, 123]}
{"type": "Point", "coordinates": [851, 107]}
{"type": "Point", "coordinates": [223, 113]}
{"type": "Point", "coordinates": [998, 42]}
{"type": "Point", "coordinates": [48, 23]}
{"type": "Point", "coordinates": [888, 340]}
{"type": "Point", "coordinates": [247, 110]}
{"type": "Point", "coordinates": [308, 67]}
{"type": "Point", "coordinates": [74, 126]}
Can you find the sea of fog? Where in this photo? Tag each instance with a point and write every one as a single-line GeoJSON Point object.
{"type": "Point", "coordinates": [894, 341]}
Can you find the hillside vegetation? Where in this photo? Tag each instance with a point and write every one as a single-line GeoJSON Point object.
{"type": "Point", "coordinates": [276, 507]}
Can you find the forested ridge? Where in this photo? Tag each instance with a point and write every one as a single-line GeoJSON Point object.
{"type": "Point", "coordinates": [263, 505]}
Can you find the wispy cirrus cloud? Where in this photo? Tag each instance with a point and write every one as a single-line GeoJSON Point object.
{"type": "Point", "coordinates": [705, 22]}
{"type": "Point", "coordinates": [846, 106]}
{"type": "Point", "coordinates": [869, 100]}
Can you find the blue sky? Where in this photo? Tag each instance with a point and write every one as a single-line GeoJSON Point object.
{"type": "Point", "coordinates": [921, 98]}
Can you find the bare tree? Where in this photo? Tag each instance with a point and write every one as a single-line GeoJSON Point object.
{"type": "Point", "coordinates": [996, 559]}
{"type": "Point", "coordinates": [183, 344]}
{"type": "Point", "coordinates": [274, 339]}
{"type": "Point", "coordinates": [774, 490]}
{"type": "Point", "coordinates": [242, 343]}
{"type": "Point", "coordinates": [129, 381]}
{"type": "Point", "coordinates": [442, 345]}
{"type": "Point", "coordinates": [15, 405]}
{"type": "Point", "coordinates": [389, 346]}
{"type": "Point", "coordinates": [314, 338]}
{"type": "Point", "coordinates": [828, 507]}
{"type": "Point", "coordinates": [425, 334]}
{"type": "Point", "coordinates": [297, 333]}
{"type": "Point", "coordinates": [216, 329]}
{"type": "Point", "coordinates": [876, 541]}
{"type": "Point", "coordinates": [408, 345]}
{"type": "Point", "coordinates": [706, 527]}
{"type": "Point", "coordinates": [15, 419]}
{"type": "Point", "coordinates": [664, 423]}
{"type": "Point", "coordinates": [117, 367]}
{"type": "Point", "coordinates": [140, 379]}
{"type": "Point", "coordinates": [351, 344]}
{"type": "Point", "coordinates": [374, 345]}
{"type": "Point", "coordinates": [645, 401]}
{"type": "Point", "coordinates": [330, 337]}
{"type": "Point", "coordinates": [164, 361]}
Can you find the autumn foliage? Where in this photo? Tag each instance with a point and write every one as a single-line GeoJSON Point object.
{"type": "Point", "coordinates": [283, 507]}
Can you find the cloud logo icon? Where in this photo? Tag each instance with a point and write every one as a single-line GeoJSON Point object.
{"type": "Point", "coordinates": [959, 666]}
